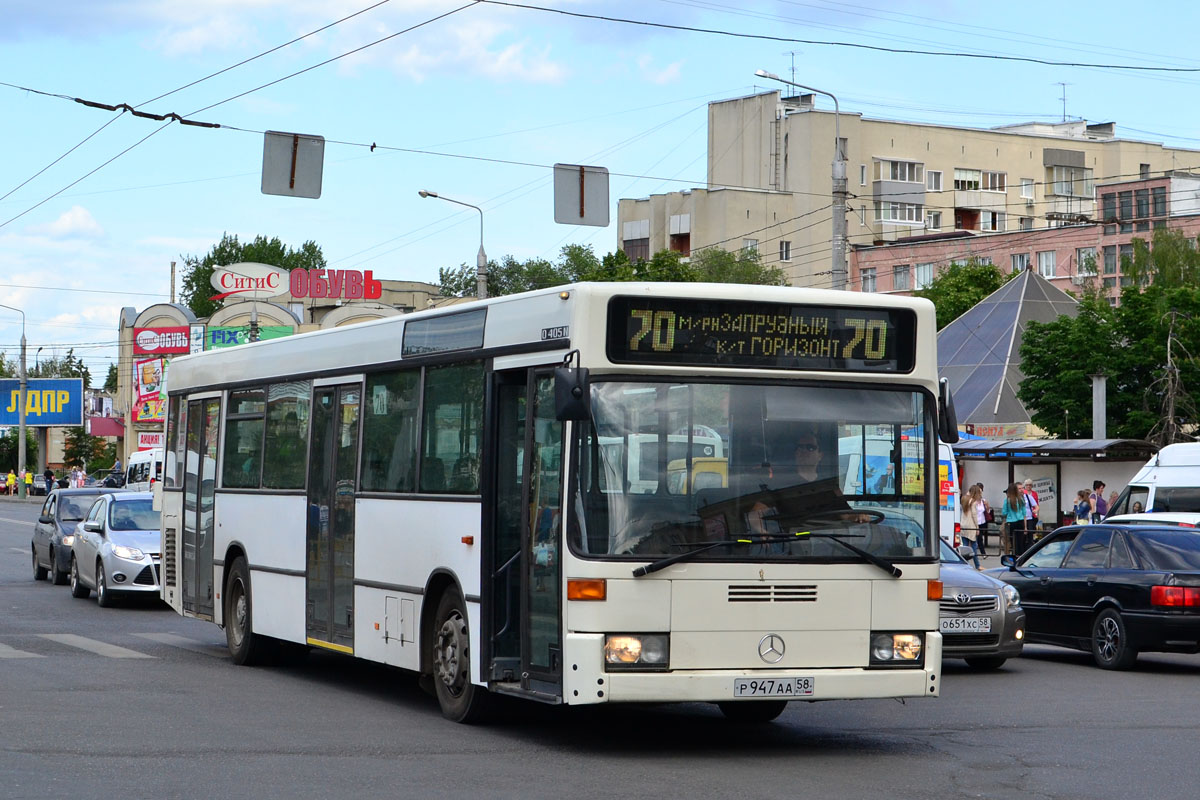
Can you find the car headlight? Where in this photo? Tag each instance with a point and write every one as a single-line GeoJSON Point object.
{"type": "Point", "coordinates": [131, 553]}
{"type": "Point", "coordinates": [1011, 596]}
{"type": "Point", "coordinates": [896, 649]}
{"type": "Point", "coordinates": [69, 540]}
{"type": "Point", "coordinates": [644, 651]}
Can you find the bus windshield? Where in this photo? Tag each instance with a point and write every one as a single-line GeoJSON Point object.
{"type": "Point", "coordinates": [669, 467]}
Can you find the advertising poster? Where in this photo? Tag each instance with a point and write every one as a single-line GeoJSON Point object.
{"type": "Point", "coordinates": [148, 378]}
{"type": "Point", "coordinates": [48, 401]}
{"type": "Point", "coordinates": [150, 409]}
{"type": "Point", "coordinates": [216, 338]}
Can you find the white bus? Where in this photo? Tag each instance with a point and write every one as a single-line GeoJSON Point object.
{"type": "Point", "coordinates": [438, 492]}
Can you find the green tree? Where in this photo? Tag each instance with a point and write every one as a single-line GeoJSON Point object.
{"type": "Point", "coordinates": [960, 286]}
{"type": "Point", "coordinates": [68, 366]}
{"type": "Point", "coordinates": [81, 448]}
{"type": "Point", "coordinates": [8, 450]}
{"type": "Point", "coordinates": [715, 265]}
{"type": "Point", "coordinates": [110, 381]}
{"type": "Point", "coordinates": [197, 290]}
{"type": "Point", "coordinates": [1170, 260]}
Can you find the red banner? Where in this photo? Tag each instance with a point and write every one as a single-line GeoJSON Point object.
{"type": "Point", "coordinates": [157, 341]}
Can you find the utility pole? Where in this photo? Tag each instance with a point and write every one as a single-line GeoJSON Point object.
{"type": "Point", "coordinates": [21, 409]}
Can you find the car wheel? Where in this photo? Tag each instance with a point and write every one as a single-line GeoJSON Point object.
{"type": "Point", "coordinates": [246, 647]}
{"type": "Point", "coordinates": [450, 657]}
{"type": "Point", "coordinates": [104, 597]}
{"type": "Point", "coordinates": [77, 587]}
{"type": "Point", "coordinates": [752, 710]}
{"type": "Point", "coordinates": [39, 572]}
{"type": "Point", "coordinates": [1110, 641]}
{"type": "Point", "coordinates": [985, 662]}
{"type": "Point", "coordinates": [56, 575]}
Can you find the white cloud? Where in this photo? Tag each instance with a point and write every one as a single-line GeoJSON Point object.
{"type": "Point", "coordinates": [660, 76]}
{"type": "Point", "coordinates": [76, 223]}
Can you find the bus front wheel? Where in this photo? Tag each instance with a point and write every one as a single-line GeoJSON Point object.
{"type": "Point", "coordinates": [752, 710]}
{"type": "Point", "coordinates": [246, 647]}
{"type": "Point", "coordinates": [450, 658]}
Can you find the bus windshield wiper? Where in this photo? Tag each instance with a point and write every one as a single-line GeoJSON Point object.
{"type": "Point", "coordinates": [871, 558]}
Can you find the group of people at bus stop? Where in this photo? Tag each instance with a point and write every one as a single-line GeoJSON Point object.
{"type": "Point", "coordinates": [1018, 517]}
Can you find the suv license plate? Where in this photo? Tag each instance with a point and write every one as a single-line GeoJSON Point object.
{"type": "Point", "coordinates": [773, 687]}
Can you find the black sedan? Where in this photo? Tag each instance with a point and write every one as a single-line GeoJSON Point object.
{"type": "Point", "coordinates": [1113, 590]}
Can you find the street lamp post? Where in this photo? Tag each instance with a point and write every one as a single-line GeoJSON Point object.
{"type": "Point", "coordinates": [840, 193]}
{"type": "Point", "coordinates": [481, 258]}
{"type": "Point", "coordinates": [20, 410]}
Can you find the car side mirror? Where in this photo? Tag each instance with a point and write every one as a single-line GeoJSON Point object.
{"type": "Point", "coordinates": [965, 551]}
{"type": "Point", "coordinates": [571, 394]}
{"type": "Point", "coordinates": [93, 526]}
{"type": "Point", "coordinates": [1008, 561]}
{"type": "Point", "coordinates": [947, 418]}
{"type": "Point", "coordinates": [46, 519]}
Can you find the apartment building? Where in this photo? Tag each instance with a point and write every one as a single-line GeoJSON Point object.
{"type": "Point", "coordinates": [1066, 256]}
{"type": "Point", "coordinates": [770, 181]}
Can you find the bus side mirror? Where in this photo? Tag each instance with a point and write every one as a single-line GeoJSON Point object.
{"type": "Point", "coordinates": [947, 419]}
{"type": "Point", "coordinates": [571, 394]}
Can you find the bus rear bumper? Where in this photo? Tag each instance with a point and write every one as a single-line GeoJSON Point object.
{"type": "Point", "coordinates": [585, 681]}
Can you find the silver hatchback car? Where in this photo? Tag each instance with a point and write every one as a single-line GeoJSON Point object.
{"type": "Point", "coordinates": [981, 618]}
{"type": "Point", "coordinates": [116, 550]}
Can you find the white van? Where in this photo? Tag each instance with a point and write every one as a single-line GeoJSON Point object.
{"type": "Point", "coordinates": [145, 467]}
{"type": "Point", "coordinates": [1170, 481]}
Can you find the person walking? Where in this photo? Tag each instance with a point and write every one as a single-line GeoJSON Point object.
{"type": "Point", "coordinates": [29, 483]}
{"type": "Point", "coordinates": [1013, 512]}
{"type": "Point", "coordinates": [969, 524]}
{"type": "Point", "coordinates": [10, 483]}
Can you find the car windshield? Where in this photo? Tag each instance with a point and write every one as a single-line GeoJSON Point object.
{"type": "Point", "coordinates": [665, 468]}
{"type": "Point", "coordinates": [72, 510]}
{"type": "Point", "coordinates": [132, 515]}
{"type": "Point", "coordinates": [1168, 549]}
{"type": "Point", "coordinates": [948, 556]}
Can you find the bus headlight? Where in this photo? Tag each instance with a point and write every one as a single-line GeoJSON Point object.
{"type": "Point", "coordinates": [636, 651]}
{"type": "Point", "coordinates": [895, 649]}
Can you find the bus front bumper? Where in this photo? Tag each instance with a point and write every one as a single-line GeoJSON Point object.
{"type": "Point", "coordinates": [585, 681]}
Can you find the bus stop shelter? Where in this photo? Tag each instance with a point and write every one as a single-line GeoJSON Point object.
{"type": "Point", "coordinates": [1058, 468]}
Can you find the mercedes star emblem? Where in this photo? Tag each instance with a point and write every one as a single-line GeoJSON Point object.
{"type": "Point", "coordinates": [771, 648]}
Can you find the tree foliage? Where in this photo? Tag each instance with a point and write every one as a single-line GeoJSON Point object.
{"type": "Point", "coordinates": [960, 286]}
{"type": "Point", "coordinates": [1128, 344]}
{"type": "Point", "coordinates": [9, 446]}
{"type": "Point", "coordinates": [580, 263]}
{"type": "Point", "coordinates": [197, 290]}
{"type": "Point", "coordinates": [68, 366]}
{"type": "Point", "coordinates": [110, 380]}
{"type": "Point", "coordinates": [81, 448]}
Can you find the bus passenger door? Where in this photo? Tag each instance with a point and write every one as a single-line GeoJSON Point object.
{"type": "Point", "coordinates": [329, 543]}
{"type": "Point", "coordinates": [526, 572]}
{"type": "Point", "coordinates": [199, 494]}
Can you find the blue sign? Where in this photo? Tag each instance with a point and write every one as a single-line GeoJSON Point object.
{"type": "Point", "coordinates": [48, 401]}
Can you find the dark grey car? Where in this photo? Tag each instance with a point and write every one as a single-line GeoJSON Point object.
{"type": "Point", "coordinates": [54, 531]}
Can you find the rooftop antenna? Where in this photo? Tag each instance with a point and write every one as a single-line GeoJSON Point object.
{"type": "Point", "coordinates": [1064, 98]}
{"type": "Point", "coordinates": [793, 53]}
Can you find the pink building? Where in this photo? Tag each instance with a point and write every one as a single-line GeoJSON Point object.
{"type": "Point", "coordinates": [1067, 256]}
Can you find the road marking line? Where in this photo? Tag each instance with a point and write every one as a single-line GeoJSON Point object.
{"type": "Point", "coordinates": [93, 646]}
{"type": "Point", "coordinates": [174, 640]}
{"type": "Point", "coordinates": [17, 550]}
{"type": "Point", "coordinates": [12, 652]}
{"type": "Point", "coordinates": [17, 521]}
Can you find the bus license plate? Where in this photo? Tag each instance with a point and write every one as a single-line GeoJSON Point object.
{"type": "Point", "coordinates": [966, 625]}
{"type": "Point", "coordinates": [773, 687]}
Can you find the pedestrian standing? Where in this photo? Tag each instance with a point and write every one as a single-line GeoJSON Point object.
{"type": "Point", "coordinates": [987, 517]}
{"type": "Point", "coordinates": [49, 476]}
{"type": "Point", "coordinates": [1099, 505]}
{"type": "Point", "coordinates": [10, 483]}
{"type": "Point", "coordinates": [969, 523]}
{"type": "Point", "coordinates": [1030, 494]}
{"type": "Point", "coordinates": [1083, 508]}
{"type": "Point", "coordinates": [29, 483]}
{"type": "Point", "coordinates": [1013, 512]}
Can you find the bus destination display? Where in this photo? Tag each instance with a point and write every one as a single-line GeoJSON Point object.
{"type": "Point", "coordinates": [772, 335]}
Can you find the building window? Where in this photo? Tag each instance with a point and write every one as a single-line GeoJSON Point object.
{"type": "Point", "coordinates": [1027, 188]}
{"type": "Point", "coordinates": [868, 279]}
{"type": "Point", "coordinates": [1159, 195]}
{"type": "Point", "coordinates": [1110, 283]}
{"type": "Point", "coordinates": [1142, 225]}
{"type": "Point", "coordinates": [1108, 205]}
{"type": "Point", "coordinates": [1110, 260]}
{"type": "Point", "coordinates": [924, 275]}
{"type": "Point", "coordinates": [1126, 227]}
{"type": "Point", "coordinates": [1071, 181]}
{"type": "Point", "coordinates": [1126, 201]}
{"type": "Point", "coordinates": [1126, 256]}
{"type": "Point", "coordinates": [635, 237]}
{"type": "Point", "coordinates": [967, 179]}
{"type": "Point", "coordinates": [862, 174]}
{"type": "Point", "coordinates": [749, 246]}
{"type": "Point", "coordinates": [1085, 261]}
{"type": "Point", "coordinates": [1020, 262]}
{"type": "Point", "coordinates": [995, 181]}
{"type": "Point", "coordinates": [898, 212]}
{"type": "Point", "coordinates": [1045, 261]}
{"type": "Point", "coordinates": [1142, 203]}
{"type": "Point", "coordinates": [1144, 171]}
{"type": "Point", "coordinates": [637, 249]}
{"type": "Point", "coordinates": [908, 171]}
{"type": "Point", "coordinates": [933, 220]}
{"type": "Point", "coordinates": [680, 240]}
{"type": "Point", "coordinates": [1160, 224]}
{"type": "Point", "coordinates": [991, 221]}
{"type": "Point", "coordinates": [785, 250]}
{"type": "Point", "coordinates": [901, 277]}
{"type": "Point", "coordinates": [1025, 223]}
{"type": "Point", "coordinates": [933, 180]}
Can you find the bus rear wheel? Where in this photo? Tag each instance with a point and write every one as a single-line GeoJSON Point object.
{"type": "Point", "coordinates": [752, 710]}
{"type": "Point", "coordinates": [246, 647]}
{"type": "Point", "coordinates": [450, 659]}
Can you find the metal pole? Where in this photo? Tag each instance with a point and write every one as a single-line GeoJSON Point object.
{"type": "Point", "coordinates": [840, 193]}
{"type": "Point", "coordinates": [481, 257]}
{"type": "Point", "coordinates": [20, 410]}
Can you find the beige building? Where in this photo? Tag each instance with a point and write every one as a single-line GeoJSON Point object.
{"type": "Point", "coordinates": [770, 185]}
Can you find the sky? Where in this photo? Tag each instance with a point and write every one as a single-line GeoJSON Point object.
{"type": "Point", "coordinates": [476, 105]}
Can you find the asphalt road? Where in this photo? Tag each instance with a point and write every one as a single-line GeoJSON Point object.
{"type": "Point", "coordinates": [138, 702]}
